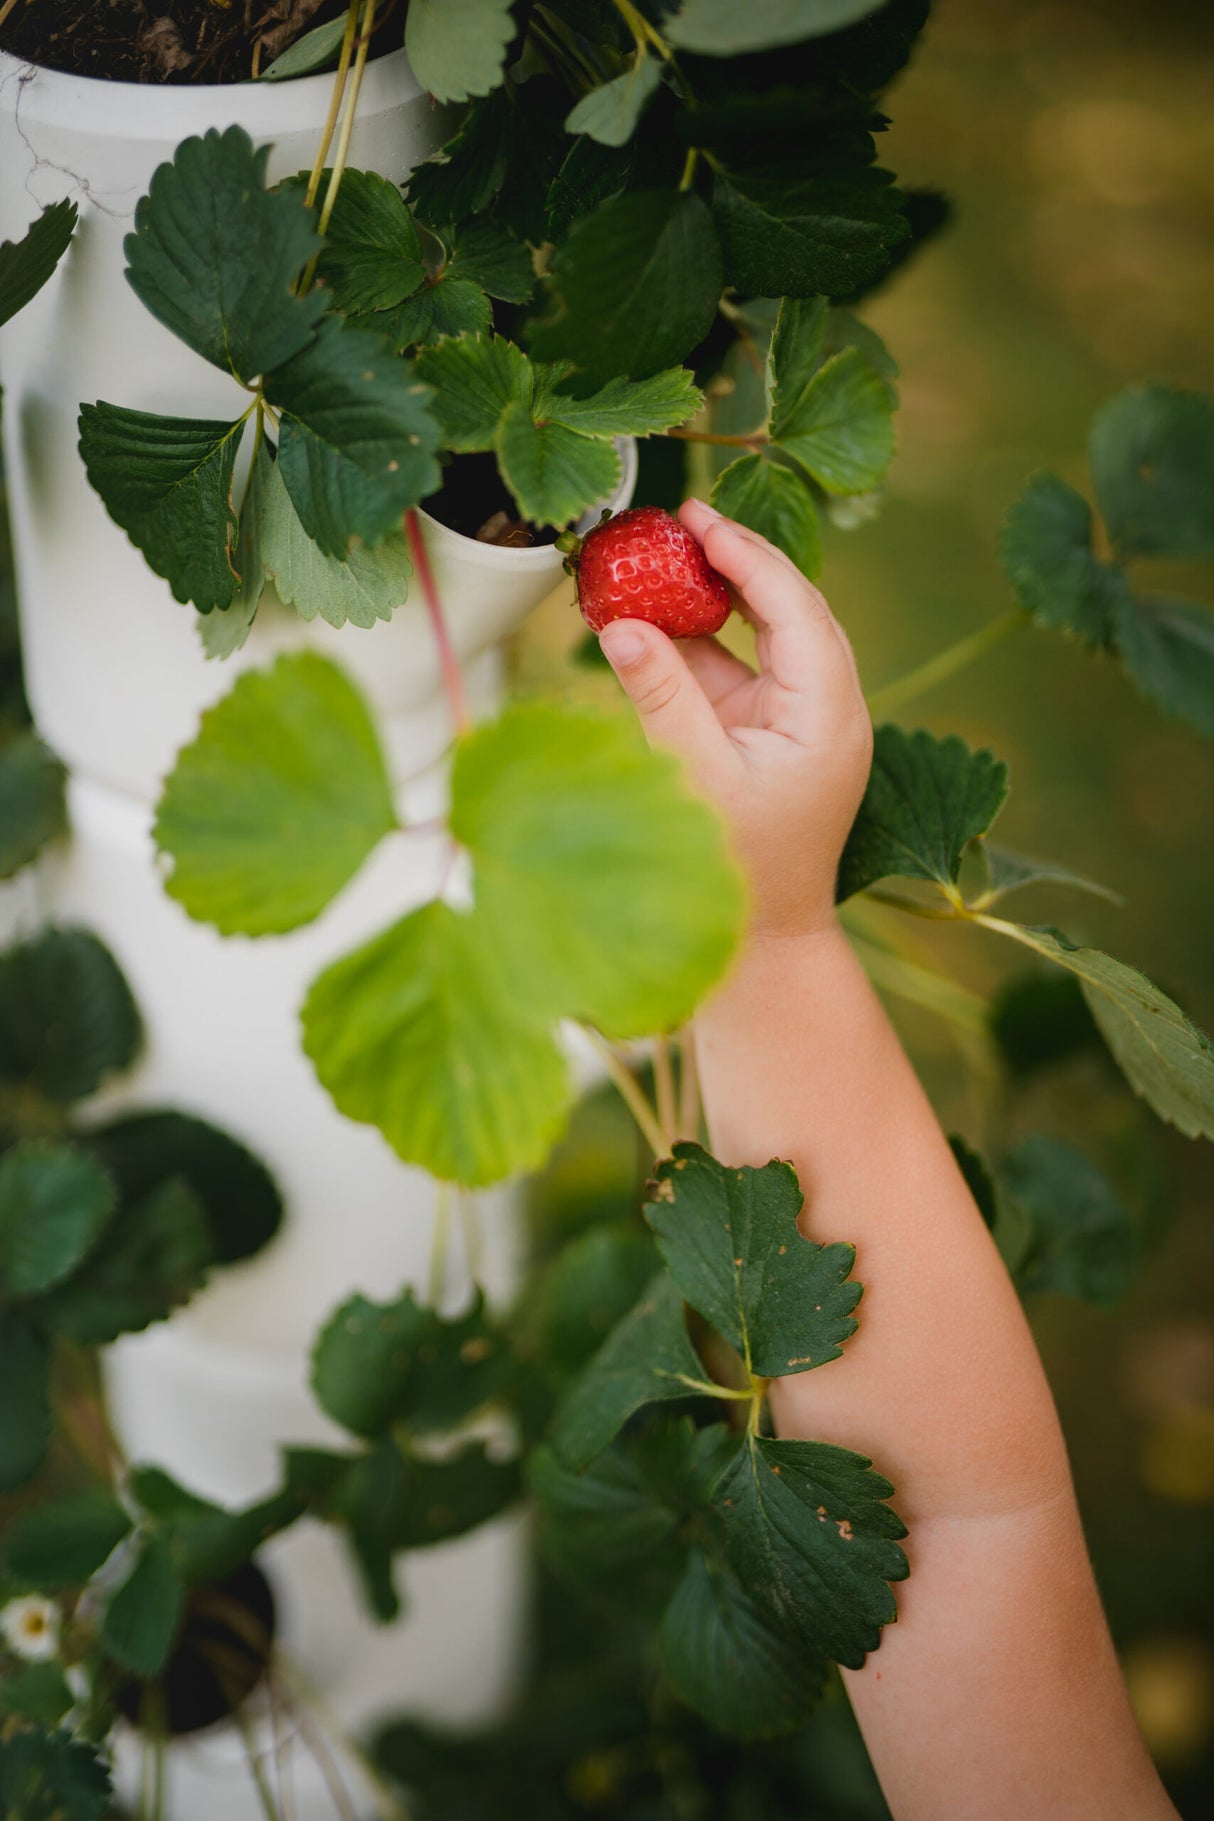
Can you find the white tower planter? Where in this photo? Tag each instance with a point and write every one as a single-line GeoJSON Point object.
{"type": "Point", "coordinates": [117, 680]}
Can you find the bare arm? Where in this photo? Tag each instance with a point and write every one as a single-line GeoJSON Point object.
{"type": "Point", "coordinates": [998, 1691]}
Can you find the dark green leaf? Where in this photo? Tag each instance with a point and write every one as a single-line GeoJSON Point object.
{"type": "Point", "coordinates": [225, 632]}
{"type": "Point", "coordinates": [840, 429]}
{"type": "Point", "coordinates": [37, 1691]}
{"type": "Point", "coordinates": [142, 1616]}
{"type": "Point", "coordinates": [25, 1399]}
{"type": "Point", "coordinates": [309, 53]}
{"type": "Point", "coordinates": [451, 306]}
{"type": "Point", "coordinates": [926, 799]}
{"type": "Point", "coordinates": [589, 175]}
{"type": "Point", "coordinates": [730, 1241]}
{"type": "Point", "coordinates": [730, 1660]}
{"type": "Point", "coordinates": [798, 348]}
{"type": "Point", "coordinates": [241, 1200]}
{"type": "Point", "coordinates": [810, 1538]}
{"type": "Point", "coordinates": [600, 1522]}
{"type": "Point", "coordinates": [1082, 1241]}
{"type": "Point", "coordinates": [646, 1359]}
{"type": "Point", "coordinates": [155, 1255]}
{"type": "Point", "coordinates": [54, 1201]}
{"type": "Point", "coordinates": [412, 1033]}
{"type": "Point", "coordinates": [457, 48]}
{"type": "Point", "coordinates": [474, 378]}
{"type": "Point", "coordinates": [464, 177]}
{"type": "Point", "coordinates": [635, 286]}
{"type": "Point", "coordinates": [553, 473]}
{"type": "Point", "coordinates": [610, 112]}
{"type": "Point", "coordinates": [590, 1285]}
{"type": "Point", "coordinates": [1152, 455]}
{"type": "Point", "coordinates": [214, 255]}
{"type": "Point", "coordinates": [32, 807]}
{"type": "Point", "coordinates": [363, 587]}
{"type": "Point", "coordinates": [206, 1542]}
{"type": "Point", "coordinates": [620, 408]}
{"type": "Point", "coordinates": [67, 1019]}
{"type": "Point", "coordinates": [488, 255]}
{"type": "Point", "coordinates": [356, 438]}
{"type": "Point", "coordinates": [1046, 549]}
{"type": "Point", "coordinates": [373, 253]}
{"type": "Point", "coordinates": [273, 807]}
{"type": "Point", "coordinates": [776, 503]}
{"type": "Point", "coordinates": [65, 1540]}
{"type": "Point", "coordinates": [367, 1360]}
{"type": "Point", "coordinates": [1167, 645]}
{"type": "Point", "coordinates": [26, 264]}
{"type": "Point", "coordinates": [49, 1776]}
{"type": "Point", "coordinates": [721, 28]}
{"type": "Point", "coordinates": [167, 481]}
{"type": "Point", "coordinates": [807, 235]}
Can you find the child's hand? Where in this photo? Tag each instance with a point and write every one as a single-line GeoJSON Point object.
{"type": "Point", "coordinates": [785, 754]}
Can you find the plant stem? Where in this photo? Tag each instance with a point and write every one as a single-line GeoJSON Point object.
{"type": "Point", "coordinates": [630, 1092]}
{"type": "Point", "coordinates": [339, 84]}
{"type": "Point", "coordinates": [641, 29]}
{"type": "Point", "coordinates": [688, 1123]}
{"type": "Point", "coordinates": [438, 1246]}
{"type": "Point", "coordinates": [6, 9]}
{"type": "Point", "coordinates": [755, 440]}
{"type": "Point", "coordinates": [937, 913]}
{"type": "Point", "coordinates": [945, 664]}
{"type": "Point", "coordinates": [474, 1236]}
{"type": "Point", "coordinates": [663, 1081]}
{"type": "Point", "coordinates": [351, 108]}
{"type": "Point", "coordinates": [711, 1389]}
{"type": "Point", "coordinates": [453, 681]}
{"type": "Point", "coordinates": [689, 168]}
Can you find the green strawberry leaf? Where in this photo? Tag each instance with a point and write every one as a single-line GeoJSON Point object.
{"type": "Point", "coordinates": [223, 284]}
{"type": "Point", "coordinates": [589, 174]}
{"type": "Point", "coordinates": [1081, 1241]}
{"type": "Point", "coordinates": [412, 1033]}
{"type": "Point", "coordinates": [554, 474]}
{"type": "Point", "coordinates": [32, 804]}
{"type": "Point", "coordinates": [26, 264]}
{"type": "Point", "coordinates": [1010, 872]}
{"type": "Point", "coordinates": [488, 255]}
{"type": "Point", "coordinates": [820, 233]}
{"type": "Point", "coordinates": [775, 502]}
{"type": "Point", "coordinates": [730, 1241]}
{"type": "Point", "coordinates": [40, 1692]}
{"type": "Point", "coordinates": [225, 632]}
{"type": "Point", "coordinates": [605, 888]}
{"type": "Point", "coordinates": [840, 430]}
{"type": "Point", "coordinates": [635, 287]}
{"type": "Point", "coordinates": [475, 377]}
{"type": "Point", "coordinates": [309, 53]}
{"type": "Point", "coordinates": [926, 800]}
{"type": "Point", "coordinates": [65, 1540]}
{"type": "Point", "coordinates": [467, 172]}
{"type": "Point", "coordinates": [156, 1253]}
{"type": "Point", "coordinates": [622, 407]}
{"type": "Point", "coordinates": [722, 28]}
{"type": "Point", "coordinates": [378, 1364]}
{"type": "Point", "coordinates": [278, 800]}
{"type": "Point", "coordinates": [1167, 646]}
{"type": "Point", "coordinates": [67, 1018]}
{"type": "Point", "coordinates": [54, 1202]}
{"type": "Point", "coordinates": [143, 1613]}
{"type": "Point", "coordinates": [356, 437]}
{"type": "Point", "coordinates": [457, 48]}
{"type": "Point", "coordinates": [448, 307]}
{"type": "Point", "coordinates": [1046, 549]}
{"type": "Point", "coordinates": [25, 1399]}
{"type": "Point", "coordinates": [207, 1543]}
{"type": "Point", "coordinates": [598, 1523]}
{"type": "Point", "coordinates": [49, 1776]}
{"type": "Point", "coordinates": [372, 256]}
{"type": "Point", "coordinates": [589, 1286]}
{"type": "Point", "coordinates": [1151, 450]}
{"type": "Point", "coordinates": [797, 350]}
{"type": "Point", "coordinates": [610, 113]}
{"type": "Point", "coordinates": [167, 482]}
{"type": "Point", "coordinates": [359, 589]}
{"type": "Point", "coordinates": [811, 1539]}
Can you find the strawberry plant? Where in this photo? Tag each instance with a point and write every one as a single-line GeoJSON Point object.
{"type": "Point", "coordinates": [654, 220]}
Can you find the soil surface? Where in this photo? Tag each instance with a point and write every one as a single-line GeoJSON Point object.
{"type": "Point", "coordinates": [181, 41]}
{"type": "Point", "coordinates": [474, 501]}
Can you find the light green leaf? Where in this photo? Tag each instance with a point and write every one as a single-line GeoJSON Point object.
{"type": "Point", "coordinates": [26, 264]}
{"type": "Point", "coordinates": [25, 1399]}
{"type": "Point", "coordinates": [646, 1359]}
{"type": "Point", "coordinates": [776, 503]}
{"type": "Point", "coordinates": [64, 1541]}
{"type": "Point", "coordinates": [67, 1018]}
{"type": "Point", "coordinates": [156, 1253]}
{"type": "Point", "coordinates": [1081, 1241]}
{"type": "Point", "coordinates": [730, 1241]}
{"type": "Point", "coordinates": [214, 255]}
{"type": "Point", "coordinates": [412, 1033]}
{"type": "Point", "coordinates": [798, 345]}
{"type": "Point", "coordinates": [1167, 645]}
{"type": "Point", "coordinates": [372, 256]}
{"type": "Point", "coordinates": [1163, 1056]}
{"type": "Point", "coordinates": [223, 633]}
{"type": "Point", "coordinates": [926, 799]}
{"type": "Point", "coordinates": [841, 430]}
{"type": "Point", "coordinates": [722, 28]}
{"type": "Point", "coordinates": [488, 255]}
{"type": "Point", "coordinates": [1151, 450]}
{"type": "Point", "coordinates": [1009, 872]}
{"type": "Point", "coordinates": [474, 377]}
{"type": "Point", "coordinates": [623, 407]}
{"type": "Point", "coordinates": [167, 481]}
{"type": "Point", "coordinates": [605, 888]}
{"type": "Point", "coordinates": [142, 1616]}
{"type": "Point", "coordinates": [810, 1538]}
{"type": "Point", "coordinates": [451, 306]}
{"type": "Point", "coordinates": [365, 586]}
{"type": "Point", "coordinates": [275, 804]}
{"type": "Point", "coordinates": [54, 1202]}
{"type": "Point", "coordinates": [32, 806]}
{"type": "Point", "coordinates": [356, 439]}
{"type": "Point", "coordinates": [809, 235]}
{"type": "Point", "coordinates": [375, 1364]}
{"type": "Point", "coordinates": [635, 286]}
{"type": "Point", "coordinates": [1046, 549]}
{"type": "Point", "coordinates": [555, 474]}
{"type": "Point", "coordinates": [49, 1776]}
{"type": "Point", "coordinates": [457, 48]}
{"type": "Point", "coordinates": [309, 53]}
{"type": "Point", "coordinates": [610, 112]}
{"type": "Point", "coordinates": [730, 1660]}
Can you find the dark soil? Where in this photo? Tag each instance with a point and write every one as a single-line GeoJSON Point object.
{"type": "Point", "coordinates": [222, 1652]}
{"type": "Point", "coordinates": [178, 41]}
{"type": "Point", "coordinates": [474, 501]}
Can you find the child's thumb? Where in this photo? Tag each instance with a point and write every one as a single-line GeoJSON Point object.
{"type": "Point", "coordinates": [673, 708]}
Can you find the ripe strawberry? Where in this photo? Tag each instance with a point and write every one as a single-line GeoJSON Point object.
{"type": "Point", "coordinates": [642, 565]}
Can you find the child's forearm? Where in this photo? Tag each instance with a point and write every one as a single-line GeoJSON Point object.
{"type": "Point", "coordinates": [964, 1706]}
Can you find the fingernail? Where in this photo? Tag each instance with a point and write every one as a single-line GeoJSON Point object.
{"type": "Point", "coordinates": [622, 644]}
{"type": "Point", "coordinates": [704, 507]}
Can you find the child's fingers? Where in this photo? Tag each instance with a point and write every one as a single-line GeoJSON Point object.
{"type": "Point", "coordinates": [716, 670]}
{"type": "Point", "coordinates": [674, 709]}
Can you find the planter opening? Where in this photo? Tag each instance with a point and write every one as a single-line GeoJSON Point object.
{"type": "Point", "coordinates": [225, 1645]}
{"type": "Point", "coordinates": [473, 500]}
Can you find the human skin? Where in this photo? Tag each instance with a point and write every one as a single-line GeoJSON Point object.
{"type": "Point", "coordinates": [997, 1694]}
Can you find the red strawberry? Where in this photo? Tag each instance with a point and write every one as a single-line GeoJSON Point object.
{"type": "Point", "coordinates": [642, 565]}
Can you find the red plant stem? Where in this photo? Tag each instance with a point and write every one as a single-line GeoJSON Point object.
{"type": "Point", "coordinates": [754, 441]}
{"type": "Point", "coordinates": [453, 681]}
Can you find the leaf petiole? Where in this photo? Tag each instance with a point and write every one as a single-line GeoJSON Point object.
{"type": "Point", "coordinates": [945, 664]}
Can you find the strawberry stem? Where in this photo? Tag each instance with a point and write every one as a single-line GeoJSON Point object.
{"type": "Point", "coordinates": [453, 681]}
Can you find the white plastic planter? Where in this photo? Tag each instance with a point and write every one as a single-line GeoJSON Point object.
{"type": "Point", "coordinates": [117, 680]}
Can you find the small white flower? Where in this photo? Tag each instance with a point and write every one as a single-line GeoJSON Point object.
{"type": "Point", "coordinates": [30, 1627]}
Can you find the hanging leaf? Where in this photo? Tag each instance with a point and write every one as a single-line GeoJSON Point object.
{"type": "Point", "coordinates": [722, 28]}
{"type": "Point", "coordinates": [54, 1202]}
{"type": "Point", "coordinates": [926, 799]}
{"type": "Point", "coordinates": [63, 1541]}
{"type": "Point", "coordinates": [475, 378]}
{"type": "Point", "coordinates": [808, 235]}
{"type": "Point", "coordinates": [457, 48]}
{"type": "Point", "coordinates": [622, 407]}
{"type": "Point", "coordinates": [731, 1243]}
{"type": "Point", "coordinates": [378, 1364]}
{"type": "Point", "coordinates": [25, 1399]}
{"type": "Point", "coordinates": [1167, 645]}
{"type": "Point", "coordinates": [359, 589]}
{"type": "Point", "coordinates": [26, 264]}
{"type": "Point", "coordinates": [142, 1616]}
{"type": "Point", "coordinates": [67, 1018]}
{"type": "Point", "coordinates": [156, 1254]}
{"type": "Point", "coordinates": [278, 800]}
{"type": "Point", "coordinates": [1081, 1241]}
{"type": "Point", "coordinates": [372, 256]}
{"type": "Point", "coordinates": [1152, 456]}
{"type": "Point", "coordinates": [1046, 549]}
{"type": "Point", "coordinates": [610, 113]}
{"type": "Point", "coordinates": [553, 473]}
{"type": "Point", "coordinates": [776, 503]}
{"type": "Point", "coordinates": [840, 429]}
{"type": "Point", "coordinates": [50, 1776]}
{"type": "Point", "coordinates": [32, 806]}
{"type": "Point", "coordinates": [167, 482]}
{"type": "Point", "coordinates": [1010, 872]}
